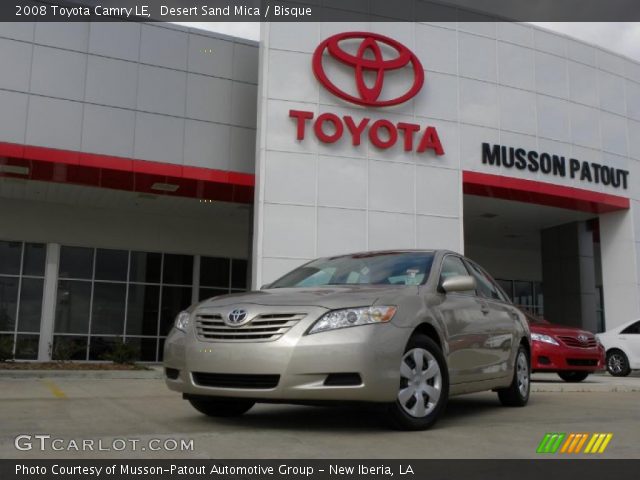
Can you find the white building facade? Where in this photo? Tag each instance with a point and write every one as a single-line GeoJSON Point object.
{"type": "Point", "coordinates": [144, 167]}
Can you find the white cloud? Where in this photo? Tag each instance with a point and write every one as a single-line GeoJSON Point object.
{"type": "Point", "coordinates": [619, 37]}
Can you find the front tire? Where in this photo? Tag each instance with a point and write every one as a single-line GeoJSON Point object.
{"type": "Point", "coordinates": [618, 363]}
{"type": "Point", "coordinates": [424, 386]}
{"type": "Point", "coordinates": [221, 408]}
{"type": "Point", "coordinates": [573, 377]}
{"type": "Point", "coordinates": [517, 394]}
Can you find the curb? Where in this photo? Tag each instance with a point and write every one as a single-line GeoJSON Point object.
{"type": "Point", "coordinates": [596, 383]}
{"type": "Point", "coordinates": [155, 372]}
{"type": "Point", "coordinates": [541, 387]}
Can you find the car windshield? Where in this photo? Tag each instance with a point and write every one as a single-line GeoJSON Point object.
{"type": "Point", "coordinates": [377, 268]}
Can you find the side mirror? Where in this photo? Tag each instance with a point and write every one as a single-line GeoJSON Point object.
{"type": "Point", "coordinates": [458, 283]}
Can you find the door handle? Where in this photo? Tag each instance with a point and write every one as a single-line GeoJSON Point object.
{"type": "Point", "coordinates": [485, 310]}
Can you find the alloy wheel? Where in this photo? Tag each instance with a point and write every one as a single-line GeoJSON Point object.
{"type": "Point", "coordinates": [615, 363]}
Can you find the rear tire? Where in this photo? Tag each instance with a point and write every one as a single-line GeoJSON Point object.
{"type": "Point", "coordinates": [234, 407]}
{"type": "Point", "coordinates": [423, 388]}
{"type": "Point", "coordinates": [573, 377]}
{"type": "Point", "coordinates": [618, 363]}
{"type": "Point", "coordinates": [517, 394]}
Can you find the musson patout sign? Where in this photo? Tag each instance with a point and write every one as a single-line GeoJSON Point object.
{"type": "Point", "coordinates": [369, 59]}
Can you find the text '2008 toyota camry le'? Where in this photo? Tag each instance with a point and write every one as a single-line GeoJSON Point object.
{"type": "Point", "coordinates": [403, 329]}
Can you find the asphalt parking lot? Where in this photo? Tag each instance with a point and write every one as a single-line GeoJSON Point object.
{"type": "Point", "coordinates": [72, 409]}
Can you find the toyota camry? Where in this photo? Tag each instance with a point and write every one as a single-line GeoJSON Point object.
{"type": "Point", "coordinates": [571, 352]}
{"type": "Point", "coordinates": [401, 329]}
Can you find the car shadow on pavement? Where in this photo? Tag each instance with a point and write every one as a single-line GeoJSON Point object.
{"type": "Point", "coordinates": [351, 419]}
{"type": "Point", "coordinates": [295, 417]}
{"type": "Point", "coordinates": [560, 381]}
{"type": "Point", "coordinates": [555, 379]}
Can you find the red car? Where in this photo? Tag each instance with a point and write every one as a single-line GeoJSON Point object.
{"type": "Point", "coordinates": [570, 352]}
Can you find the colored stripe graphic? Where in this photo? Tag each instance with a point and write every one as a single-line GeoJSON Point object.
{"type": "Point", "coordinates": [570, 439]}
{"type": "Point", "coordinates": [581, 443]}
{"type": "Point", "coordinates": [573, 443]}
{"type": "Point", "coordinates": [577, 443]}
{"type": "Point", "coordinates": [543, 443]}
{"type": "Point", "coordinates": [550, 443]}
{"type": "Point", "coordinates": [598, 443]}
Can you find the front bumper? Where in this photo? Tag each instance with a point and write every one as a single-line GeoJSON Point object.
{"type": "Point", "coordinates": [302, 362]}
{"type": "Point", "coordinates": [550, 358]}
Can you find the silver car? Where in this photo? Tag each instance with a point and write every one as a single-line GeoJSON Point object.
{"type": "Point", "coordinates": [402, 329]}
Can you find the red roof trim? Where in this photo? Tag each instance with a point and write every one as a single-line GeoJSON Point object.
{"type": "Point", "coordinates": [67, 166]}
{"type": "Point", "coordinates": [541, 193]}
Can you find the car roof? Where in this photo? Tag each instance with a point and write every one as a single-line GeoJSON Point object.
{"type": "Point", "coordinates": [390, 252]}
{"type": "Point", "coordinates": [621, 327]}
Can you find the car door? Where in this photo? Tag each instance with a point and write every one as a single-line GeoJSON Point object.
{"type": "Point", "coordinates": [499, 323]}
{"type": "Point", "coordinates": [630, 340]}
{"type": "Point", "coordinates": [461, 317]}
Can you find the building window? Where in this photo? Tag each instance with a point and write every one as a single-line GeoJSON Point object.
{"type": "Point", "coordinates": [221, 276]}
{"type": "Point", "coordinates": [107, 295]}
{"type": "Point", "coordinates": [600, 309]}
{"type": "Point", "coordinates": [525, 294]}
{"type": "Point", "coordinates": [21, 293]}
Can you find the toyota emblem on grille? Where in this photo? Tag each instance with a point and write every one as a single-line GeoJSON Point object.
{"type": "Point", "coordinates": [583, 338]}
{"type": "Point", "coordinates": [237, 316]}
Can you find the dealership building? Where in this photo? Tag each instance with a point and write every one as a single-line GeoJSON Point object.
{"type": "Point", "coordinates": [144, 167]}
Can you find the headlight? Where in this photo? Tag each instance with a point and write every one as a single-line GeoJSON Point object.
{"type": "Point", "coordinates": [539, 337]}
{"type": "Point", "coordinates": [351, 317]}
{"type": "Point", "coordinates": [182, 321]}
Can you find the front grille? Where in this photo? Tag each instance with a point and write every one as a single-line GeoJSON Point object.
{"type": "Point", "coordinates": [262, 328]}
{"type": "Point", "coordinates": [574, 342]}
{"type": "Point", "coordinates": [228, 380]}
{"type": "Point", "coordinates": [581, 362]}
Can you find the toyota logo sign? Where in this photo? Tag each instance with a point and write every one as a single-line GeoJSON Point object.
{"type": "Point", "coordinates": [368, 59]}
{"type": "Point", "coordinates": [236, 317]}
{"type": "Point", "coordinates": [376, 58]}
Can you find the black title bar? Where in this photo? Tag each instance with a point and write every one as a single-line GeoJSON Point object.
{"type": "Point", "coordinates": [584, 469]}
{"type": "Point", "coordinates": [321, 10]}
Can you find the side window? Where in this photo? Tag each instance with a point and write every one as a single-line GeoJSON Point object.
{"type": "Point", "coordinates": [501, 292]}
{"type": "Point", "coordinates": [452, 266]}
{"type": "Point", "coordinates": [486, 287]}
{"type": "Point", "coordinates": [631, 329]}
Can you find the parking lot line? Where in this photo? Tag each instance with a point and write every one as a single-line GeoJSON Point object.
{"type": "Point", "coordinates": [54, 389]}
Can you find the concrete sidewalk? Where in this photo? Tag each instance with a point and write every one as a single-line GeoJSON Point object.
{"type": "Point", "coordinates": [155, 371]}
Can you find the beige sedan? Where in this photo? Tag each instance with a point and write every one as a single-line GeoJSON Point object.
{"type": "Point", "coordinates": [402, 329]}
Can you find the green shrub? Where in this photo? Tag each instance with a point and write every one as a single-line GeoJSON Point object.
{"type": "Point", "coordinates": [122, 353]}
{"type": "Point", "coordinates": [6, 348]}
{"type": "Point", "coordinates": [65, 349]}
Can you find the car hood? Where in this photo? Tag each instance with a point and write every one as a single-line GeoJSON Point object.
{"type": "Point", "coordinates": [326, 297]}
{"type": "Point", "coordinates": [555, 329]}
